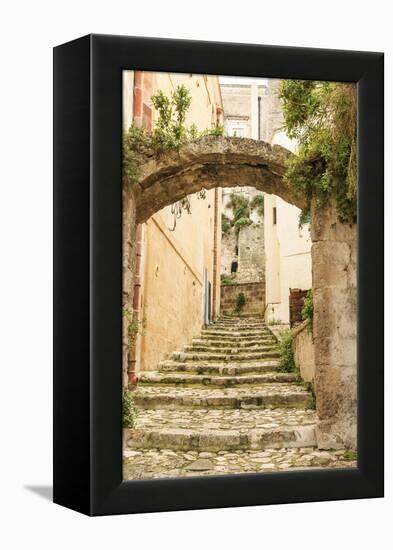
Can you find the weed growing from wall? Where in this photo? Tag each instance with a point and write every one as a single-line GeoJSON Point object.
{"type": "Point", "coordinates": [129, 410]}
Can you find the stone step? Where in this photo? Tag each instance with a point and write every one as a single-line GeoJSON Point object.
{"type": "Point", "coordinates": [232, 333]}
{"type": "Point", "coordinates": [273, 395]}
{"type": "Point", "coordinates": [228, 343]}
{"type": "Point", "coordinates": [168, 463]}
{"type": "Point", "coordinates": [228, 350]}
{"type": "Point", "coordinates": [239, 326]}
{"type": "Point", "coordinates": [206, 356]}
{"type": "Point", "coordinates": [239, 320]}
{"type": "Point", "coordinates": [207, 430]}
{"type": "Point", "coordinates": [226, 381]}
{"type": "Point", "coordinates": [232, 327]}
{"type": "Point", "coordinates": [232, 369]}
{"type": "Point", "coordinates": [241, 316]}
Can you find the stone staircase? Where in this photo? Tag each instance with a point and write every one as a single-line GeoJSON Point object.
{"type": "Point", "coordinates": [221, 406]}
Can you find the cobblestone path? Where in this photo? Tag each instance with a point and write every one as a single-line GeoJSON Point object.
{"type": "Point", "coordinates": [221, 406]}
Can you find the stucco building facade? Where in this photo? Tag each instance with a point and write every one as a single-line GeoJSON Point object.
{"type": "Point", "coordinates": [288, 246]}
{"type": "Point", "coordinates": [177, 273]}
{"type": "Point", "coordinates": [253, 110]}
{"type": "Point", "coordinates": [243, 249]}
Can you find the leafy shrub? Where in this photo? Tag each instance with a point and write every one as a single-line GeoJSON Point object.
{"type": "Point", "coordinates": [240, 301]}
{"type": "Point", "coordinates": [257, 204]}
{"type": "Point", "coordinates": [240, 206]}
{"type": "Point", "coordinates": [286, 361]}
{"type": "Point", "coordinates": [129, 410]}
{"type": "Point", "coordinates": [226, 280]}
{"type": "Point", "coordinates": [304, 218]}
{"type": "Point", "coordinates": [242, 222]}
{"type": "Point", "coordinates": [225, 224]}
{"type": "Point", "coordinates": [321, 116]}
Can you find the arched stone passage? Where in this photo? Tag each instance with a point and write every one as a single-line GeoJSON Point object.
{"type": "Point", "coordinates": [229, 162]}
{"type": "Point", "coordinates": [212, 162]}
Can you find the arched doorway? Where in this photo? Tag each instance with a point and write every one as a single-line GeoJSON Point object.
{"type": "Point", "coordinates": [214, 161]}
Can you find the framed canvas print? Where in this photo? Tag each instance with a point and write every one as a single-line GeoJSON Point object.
{"type": "Point", "coordinates": [218, 270]}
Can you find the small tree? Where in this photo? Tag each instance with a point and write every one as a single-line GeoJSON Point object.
{"type": "Point", "coordinates": [240, 302]}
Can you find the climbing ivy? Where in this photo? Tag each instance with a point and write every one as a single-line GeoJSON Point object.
{"type": "Point", "coordinates": [321, 116]}
{"type": "Point", "coordinates": [225, 224]}
{"type": "Point", "coordinates": [170, 131]}
{"type": "Point", "coordinates": [258, 203]}
{"type": "Point", "coordinates": [240, 207]}
{"type": "Point", "coordinates": [134, 327]}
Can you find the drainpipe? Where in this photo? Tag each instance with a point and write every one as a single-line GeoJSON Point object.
{"type": "Point", "coordinates": [215, 254]}
{"type": "Point", "coordinates": [131, 371]}
{"type": "Point", "coordinates": [259, 117]}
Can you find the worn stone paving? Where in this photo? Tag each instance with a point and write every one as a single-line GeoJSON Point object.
{"type": "Point", "coordinates": [251, 396]}
{"type": "Point", "coordinates": [241, 420]}
{"type": "Point", "coordinates": [154, 463]}
{"type": "Point", "coordinates": [226, 409]}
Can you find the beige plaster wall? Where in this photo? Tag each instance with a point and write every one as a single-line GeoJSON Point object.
{"type": "Point", "coordinates": [174, 258]}
{"type": "Point", "coordinates": [288, 250]}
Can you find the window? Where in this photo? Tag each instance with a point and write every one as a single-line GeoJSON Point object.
{"type": "Point", "coordinates": [274, 215]}
{"type": "Point", "coordinates": [234, 267]}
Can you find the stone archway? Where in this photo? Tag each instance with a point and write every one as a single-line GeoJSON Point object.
{"type": "Point", "coordinates": [229, 162]}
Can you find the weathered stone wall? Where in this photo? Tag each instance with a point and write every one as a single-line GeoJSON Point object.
{"type": "Point", "coordinates": [229, 251]}
{"type": "Point", "coordinates": [251, 253]}
{"type": "Point", "coordinates": [254, 294]}
{"type": "Point", "coordinates": [334, 260]}
{"type": "Point", "coordinates": [303, 350]}
{"type": "Point", "coordinates": [247, 248]}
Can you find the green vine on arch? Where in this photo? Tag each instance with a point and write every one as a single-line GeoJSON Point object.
{"type": "Point", "coordinates": [321, 116]}
{"type": "Point", "coordinates": [170, 133]}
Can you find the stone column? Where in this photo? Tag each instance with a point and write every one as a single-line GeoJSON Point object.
{"type": "Point", "coordinates": [334, 266]}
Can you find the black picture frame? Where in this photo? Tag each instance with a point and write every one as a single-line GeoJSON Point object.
{"type": "Point", "coordinates": [88, 275]}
